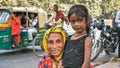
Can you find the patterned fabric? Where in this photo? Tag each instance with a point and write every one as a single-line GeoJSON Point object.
{"type": "Point", "coordinates": [46, 62]}
{"type": "Point", "coordinates": [74, 49]}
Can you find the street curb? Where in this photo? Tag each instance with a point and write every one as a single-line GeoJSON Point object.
{"type": "Point", "coordinates": [111, 60]}
{"type": "Point", "coordinates": [99, 63]}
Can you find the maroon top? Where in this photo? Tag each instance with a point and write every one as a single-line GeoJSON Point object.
{"type": "Point", "coordinates": [59, 14]}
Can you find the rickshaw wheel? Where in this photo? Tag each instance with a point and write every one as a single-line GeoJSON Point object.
{"type": "Point", "coordinates": [37, 49]}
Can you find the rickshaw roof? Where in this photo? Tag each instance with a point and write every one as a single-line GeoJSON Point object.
{"type": "Point", "coordinates": [18, 9]}
{"type": "Point", "coordinates": [28, 9]}
{"type": "Point", "coordinates": [36, 10]}
{"type": "Point", "coordinates": [31, 9]}
{"type": "Point", "coordinates": [5, 8]}
{"type": "Point", "coordinates": [25, 9]}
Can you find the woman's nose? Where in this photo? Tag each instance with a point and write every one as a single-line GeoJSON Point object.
{"type": "Point", "coordinates": [54, 45]}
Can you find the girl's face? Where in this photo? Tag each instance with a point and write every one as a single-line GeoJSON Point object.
{"type": "Point", "coordinates": [78, 23]}
{"type": "Point", "coordinates": [55, 44]}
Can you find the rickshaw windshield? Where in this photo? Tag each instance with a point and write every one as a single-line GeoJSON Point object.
{"type": "Point", "coordinates": [4, 16]}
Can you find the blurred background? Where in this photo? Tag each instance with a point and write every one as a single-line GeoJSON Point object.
{"type": "Point", "coordinates": [98, 8]}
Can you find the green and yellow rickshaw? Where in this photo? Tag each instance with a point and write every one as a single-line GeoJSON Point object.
{"type": "Point", "coordinates": [5, 27]}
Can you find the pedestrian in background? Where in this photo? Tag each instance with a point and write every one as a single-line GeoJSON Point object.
{"type": "Point", "coordinates": [117, 22]}
{"type": "Point", "coordinates": [57, 18]}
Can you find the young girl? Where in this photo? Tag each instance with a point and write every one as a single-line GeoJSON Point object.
{"type": "Point", "coordinates": [77, 53]}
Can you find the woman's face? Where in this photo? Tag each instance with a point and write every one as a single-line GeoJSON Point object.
{"type": "Point", "coordinates": [78, 23]}
{"type": "Point", "coordinates": [55, 44]}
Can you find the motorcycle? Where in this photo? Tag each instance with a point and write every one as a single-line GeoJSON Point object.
{"type": "Point", "coordinates": [107, 41]}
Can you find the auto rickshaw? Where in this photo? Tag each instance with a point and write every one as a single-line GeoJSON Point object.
{"type": "Point", "coordinates": [5, 26]}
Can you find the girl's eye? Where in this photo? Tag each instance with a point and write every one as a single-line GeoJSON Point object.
{"type": "Point", "coordinates": [80, 19]}
{"type": "Point", "coordinates": [72, 22]}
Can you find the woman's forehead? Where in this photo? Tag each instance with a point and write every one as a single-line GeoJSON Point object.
{"type": "Point", "coordinates": [55, 34]}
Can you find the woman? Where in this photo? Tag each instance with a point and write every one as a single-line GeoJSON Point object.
{"type": "Point", "coordinates": [53, 44]}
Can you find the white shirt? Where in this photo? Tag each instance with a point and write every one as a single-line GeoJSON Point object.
{"type": "Point", "coordinates": [34, 22]}
{"type": "Point", "coordinates": [117, 19]}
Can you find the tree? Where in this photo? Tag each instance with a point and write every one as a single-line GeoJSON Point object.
{"type": "Point", "coordinates": [97, 8]}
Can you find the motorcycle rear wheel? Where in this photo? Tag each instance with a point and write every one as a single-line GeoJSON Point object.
{"type": "Point", "coordinates": [96, 50]}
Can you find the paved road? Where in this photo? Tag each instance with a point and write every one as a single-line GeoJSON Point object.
{"type": "Point", "coordinates": [20, 59]}
{"type": "Point", "coordinates": [27, 59]}
{"type": "Point", "coordinates": [103, 57]}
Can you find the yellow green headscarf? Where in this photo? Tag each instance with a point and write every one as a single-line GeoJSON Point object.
{"type": "Point", "coordinates": [46, 35]}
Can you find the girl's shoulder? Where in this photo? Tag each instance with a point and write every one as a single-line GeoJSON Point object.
{"type": "Point", "coordinates": [88, 38]}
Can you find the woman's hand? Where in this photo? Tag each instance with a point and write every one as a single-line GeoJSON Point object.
{"type": "Point", "coordinates": [59, 65]}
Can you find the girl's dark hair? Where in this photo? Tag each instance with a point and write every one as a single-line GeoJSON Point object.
{"type": "Point", "coordinates": [82, 11]}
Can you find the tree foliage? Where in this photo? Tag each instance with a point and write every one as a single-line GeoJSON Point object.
{"type": "Point", "coordinates": [97, 8]}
